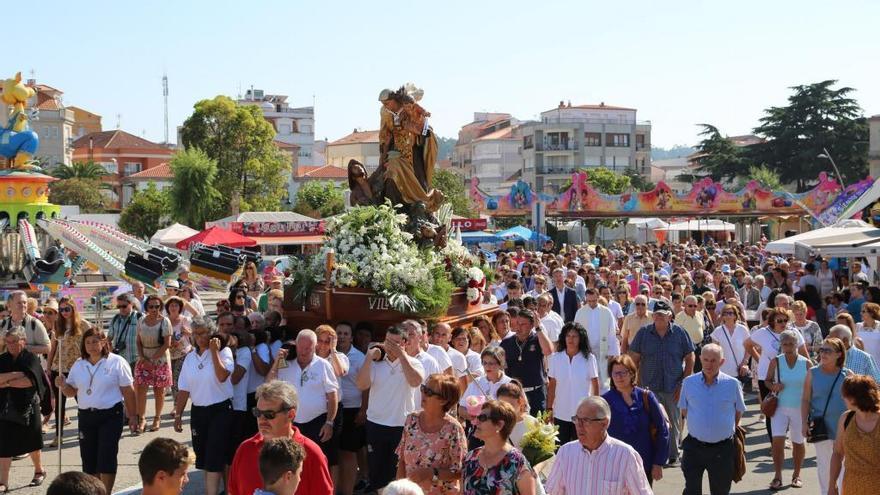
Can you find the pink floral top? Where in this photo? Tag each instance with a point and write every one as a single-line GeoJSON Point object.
{"type": "Point", "coordinates": [444, 449]}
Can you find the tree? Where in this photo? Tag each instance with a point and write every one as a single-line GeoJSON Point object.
{"type": "Point", "coordinates": [193, 199]}
{"type": "Point", "coordinates": [608, 182]}
{"type": "Point", "coordinates": [319, 199]}
{"type": "Point", "coordinates": [638, 181]}
{"type": "Point", "coordinates": [251, 172]}
{"type": "Point", "coordinates": [80, 170]}
{"type": "Point", "coordinates": [452, 186]}
{"type": "Point", "coordinates": [85, 193]}
{"type": "Point", "coordinates": [766, 177]}
{"type": "Point", "coordinates": [719, 158]}
{"type": "Point", "coordinates": [817, 117]}
{"type": "Point", "coordinates": [147, 212]}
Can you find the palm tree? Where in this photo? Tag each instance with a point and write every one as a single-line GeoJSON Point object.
{"type": "Point", "coordinates": [80, 170]}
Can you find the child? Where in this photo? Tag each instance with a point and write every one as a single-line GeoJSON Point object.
{"type": "Point", "coordinates": [281, 462]}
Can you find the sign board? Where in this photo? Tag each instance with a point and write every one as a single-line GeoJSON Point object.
{"type": "Point", "coordinates": [470, 224]}
{"type": "Point", "coordinates": [279, 229]}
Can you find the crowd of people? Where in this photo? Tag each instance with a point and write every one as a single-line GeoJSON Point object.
{"type": "Point", "coordinates": [642, 356]}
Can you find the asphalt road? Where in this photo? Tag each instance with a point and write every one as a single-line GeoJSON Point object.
{"type": "Point", "coordinates": [758, 477]}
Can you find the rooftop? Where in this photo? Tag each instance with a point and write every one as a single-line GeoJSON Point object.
{"type": "Point", "coordinates": [114, 139]}
{"type": "Point", "coordinates": [506, 133]}
{"type": "Point", "coordinates": [161, 171]}
{"type": "Point", "coordinates": [326, 172]}
{"type": "Point", "coordinates": [601, 106]}
{"type": "Point", "coordinates": [358, 137]}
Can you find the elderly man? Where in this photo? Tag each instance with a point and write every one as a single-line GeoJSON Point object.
{"type": "Point", "coordinates": [749, 294]}
{"type": "Point", "coordinates": [634, 321]}
{"type": "Point", "coordinates": [123, 328]}
{"type": "Point", "coordinates": [36, 337]}
{"type": "Point", "coordinates": [565, 301]}
{"type": "Point", "coordinates": [550, 320]}
{"type": "Point", "coordinates": [596, 463]}
{"type": "Point", "coordinates": [661, 350]}
{"type": "Point", "coordinates": [602, 331]}
{"type": "Point", "coordinates": [276, 407]}
{"type": "Point", "coordinates": [712, 404]}
{"type": "Point", "coordinates": [317, 388]}
{"type": "Point", "coordinates": [857, 360]}
{"type": "Point", "coordinates": [392, 378]}
{"type": "Point", "coordinates": [441, 334]}
{"type": "Point", "coordinates": [414, 349]}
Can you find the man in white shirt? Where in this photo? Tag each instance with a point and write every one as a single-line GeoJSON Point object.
{"type": "Point", "coordinates": [392, 377]}
{"type": "Point", "coordinates": [438, 353]}
{"type": "Point", "coordinates": [413, 349]}
{"type": "Point", "coordinates": [239, 381]}
{"type": "Point", "coordinates": [354, 410]}
{"type": "Point", "coordinates": [595, 463]}
{"type": "Point", "coordinates": [550, 320]}
{"type": "Point", "coordinates": [441, 333]}
{"type": "Point", "coordinates": [602, 330]}
{"type": "Point", "coordinates": [317, 388]}
{"type": "Point", "coordinates": [614, 306]}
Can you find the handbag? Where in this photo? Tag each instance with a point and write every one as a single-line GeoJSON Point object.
{"type": "Point", "coordinates": [818, 429]}
{"type": "Point", "coordinates": [652, 428]}
{"type": "Point", "coordinates": [745, 380]}
{"type": "Point", "coordinates": [771, 401]}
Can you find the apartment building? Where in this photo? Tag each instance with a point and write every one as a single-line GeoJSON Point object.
{"type": "Point", "coordinates": [362, 146]}
{"type": "Point", "coordinates": [569, 138]}
{"type": "Point", "coordinates": [488, 149]}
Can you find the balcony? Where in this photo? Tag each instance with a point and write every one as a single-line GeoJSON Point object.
{"type": "Point", "coordinates": [560, 120]}
{"type": "Point", "coordinates": [567, 146]}
{"type": "Point", "coordinates": [556, 169]}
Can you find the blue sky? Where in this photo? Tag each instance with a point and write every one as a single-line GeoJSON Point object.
{"type": "Point", "coordinates": [678, 62]}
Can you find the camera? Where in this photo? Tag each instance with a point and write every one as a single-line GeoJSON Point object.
{"type": "Point", "coordinates": [381, 348]}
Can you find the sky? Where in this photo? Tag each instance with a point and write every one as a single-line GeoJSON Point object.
{"type": "Point", "coordinates": [680, 63]}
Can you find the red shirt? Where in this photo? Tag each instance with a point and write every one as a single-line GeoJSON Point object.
{"type": "Point", "coordinates": [244, 476]}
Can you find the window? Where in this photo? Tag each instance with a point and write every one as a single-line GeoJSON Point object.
{"type": "Point", "coordinates": [640, 141]}
{"type": "Point", "coordinates": [617, 140]}
{"type": "Point", "coordinates": [131, 168]}
{"type": "Point", "coordinates": [528, 142]}
{"type": "Point", "coordinates": [110, 168]}
{"type": "Point", "coordinates": [284, 129]}
{"type": "Point", "coordinates": [592, 139]}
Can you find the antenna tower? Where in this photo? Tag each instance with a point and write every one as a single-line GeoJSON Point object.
{"type": "Point", "coordinates": [165, 95]}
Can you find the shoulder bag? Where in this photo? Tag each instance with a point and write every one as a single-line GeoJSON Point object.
{"type": "Point", "coordinates": [646, 403]}
{"type": "Point", "coordinates": [771, 401]}
{"type": "Point", "coordinates": [818, 429]}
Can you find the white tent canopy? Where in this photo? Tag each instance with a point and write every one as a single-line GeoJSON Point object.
{"type": "Point", "coordinates": [700, 225]}
{"type": "Point", "coordinates": [841, 228]}
{"type": "Point", "coordinates": [171, 235]}
{"type": "Point", "coordinates": [853, 244]}
{"type": "Point", "coordinates": [647, 223]}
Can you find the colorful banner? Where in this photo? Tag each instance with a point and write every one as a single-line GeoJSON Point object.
{"type": "Point", "coordinates": [705, 198]}
{"type": "Point", "coordinates": [271, 229]}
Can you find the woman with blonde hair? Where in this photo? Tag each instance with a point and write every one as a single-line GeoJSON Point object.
{"type": "Point", "coordinates": [808, 328]}
{"type": "Point", "coordinates": [487, 328]}
{"type": "Point", "coordinates": [254, 280]}
{"type": "Point", "coordinates": [869, 329]}
{"type": "Point", "coordinates": [69, 329]}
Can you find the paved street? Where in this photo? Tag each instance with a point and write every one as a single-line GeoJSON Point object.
{"type": "Point", "coordinates": [760, 466]}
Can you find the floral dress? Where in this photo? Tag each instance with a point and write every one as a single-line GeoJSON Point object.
{"type": "Point", "coordinates": [444, 449]}
{"type": "Point", "coordinates": [155, 370]}
{"type": "Point", "coordinates": [499, 479]}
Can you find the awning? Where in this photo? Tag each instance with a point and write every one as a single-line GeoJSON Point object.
{"type": "Point", "coordinates": [479, 236]}
{"type": "Point", "coordinates": [298, 240]}
{"type": "Point", "coordinates": [700, 226]}
{"type": "Point", "coordinates": [818, 236]}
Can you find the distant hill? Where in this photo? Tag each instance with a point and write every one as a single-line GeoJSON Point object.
{"type": "Point", "coordinates": [677, 151]}
{"type": "Point", "coordinates": [445, 147]}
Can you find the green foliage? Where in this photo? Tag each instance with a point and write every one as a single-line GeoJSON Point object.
{"type": "Point", "coordinates": [434, 301]}
{"type": "Point", "coordinates": [453, 188]}
{"type": "Point", "coordinates": [319, 199]}
{"type": "Point", "coordinates": [251, 172]}
{"type": "Point", "coordinates": [638, 181]}
{"type": "Point", "coordinates": [719, 157]}
{"type": "Point", "coordinates": [504, 223]}
{"type": "Point", "coordinates": [147, 213]}
{"type": "Point", "coordinates": [445, 147]}
{"type": "Point", "coordinates": [608, 182]}
{"type": "Point", "coordinates": [817, 116]}
{"type": "Point", "coordinates": [85, 193]}
{"type": "Point", "coordinates": [766, 177]}
{"type": "Point", "coordinates": [80, 170]}
{"type": "Point", "coordinates": [193, 199]}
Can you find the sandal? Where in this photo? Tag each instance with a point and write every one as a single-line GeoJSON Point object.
{"type": "Point", "coordinates": [796, 482]}
{"type": "Point", "coordinates": [39, 478]}
{"type": "Point", "coordinates": [776, 484]}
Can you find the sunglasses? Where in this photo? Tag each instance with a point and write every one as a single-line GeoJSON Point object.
{"type": "Point", "coordinates": [154, 306]}
{"type": "Point", "coordinates": [827, 350]}
{"type": "Point", "coordinates": [640, 304]}
{"type": "Point", "coordinates": [268, 414]}
{"type": "Point", "coordinates": [483, 417]}
{"type": "Point", "coordinates": [429, 392]}
{"type": "Point", "coordinates": [121, 306]}
{"type": "Point", "coordinates": [691, 305]}
{"type": "Point", "coordinates": [65, 309]}
{"type": "Point", "coordinates": [782, 320]}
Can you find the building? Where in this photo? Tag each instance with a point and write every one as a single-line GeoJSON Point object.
{"type": "Point", "coordinates": [292, 125]}
{"type": "Point", "coordinates": [122, 155]}
{"type": "Point", "coordinates": [484, 123]}
{"type": "Point", "coordinates": [54, 125]}
{"type": "Point", "coordinates": [85, 122]}
{"type": "Point", "coordinates": [569, 138]}
{"type": "Point", "coordinates": [874, 146]}
{"type": "Point", "coordinates": [337, 175]}
{"type": "Point", "coordinates": [669, 171]}
{"type": "Point", "coordinates": [160, 175]}
{"type": "Point", "coordinates": [362, 146]}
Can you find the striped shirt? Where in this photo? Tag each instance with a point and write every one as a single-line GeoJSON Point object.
{"type": "Point", "coordinates": [861, 363]}
{"type": "Point", "coordinates": [614, 467]}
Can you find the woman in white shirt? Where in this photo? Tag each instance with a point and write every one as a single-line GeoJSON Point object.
{"type": "Point", "coordinates": [180, 337]}
{"type": "Point", "coordinates": [573, 375]}
{"type": "Point", "coordinates": [731, 336]}
{"type": "Point", "coordinates": [204, 377]}
{"type": "Point", "coordinates": [494, 363]}
{"type": "Point", "coordinates": [461, 342]}
{"type": "Point", "coordinates": [513, 394]}
{"type": "Point", "coordinates": [869, 329]}
{"type": "Point", "coordinates": [100, 381]}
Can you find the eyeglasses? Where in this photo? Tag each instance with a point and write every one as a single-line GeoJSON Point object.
{"type": "Point", "coordinates": [489, 363]}
{"type": "Point", "coordinates": [728, 313]}
{"type": "Point", "coordinates": [65, 309]}
{"type": "Point", "coordinates": [154, 306]}
{"type": "Point", "coordinates": [781, 320]}
{"type": "Point", "coordinates": [620, 374]}
{"type": "Point", "coordinates": [827, 350]}
{"type": "Point", "coordinates": [691, 305]}
{"type": "Point", "coordinates": [429, 392]}
{"type": "Point", "coordinates": [585, 421]}
{"type": "Point", "coordinates": [268, 414]}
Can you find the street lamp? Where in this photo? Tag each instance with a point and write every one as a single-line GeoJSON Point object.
{"type": "Point", "coordinates": [827, 156]}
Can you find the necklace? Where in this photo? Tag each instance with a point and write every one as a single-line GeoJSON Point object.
{"type": "Point", "coordinates": [202, 358]}
{"type": "Point", "coordinates": [92, 376]}
{"type": "Point", "coordinates": [520, 347]}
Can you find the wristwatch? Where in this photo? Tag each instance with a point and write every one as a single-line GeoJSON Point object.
{"type": "Point", "coordinates": [436, 477]}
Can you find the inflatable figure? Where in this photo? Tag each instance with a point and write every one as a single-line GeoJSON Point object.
{"type": "Point", "coordinates": [17, 142]}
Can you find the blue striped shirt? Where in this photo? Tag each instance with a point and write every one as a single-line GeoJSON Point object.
{"type": "Point", "coordinates": [661, 365]}
{"type": "Point", "coordinates": [862, 363]}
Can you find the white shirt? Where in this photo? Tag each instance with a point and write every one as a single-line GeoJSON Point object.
{"type": "Point", "coordinates": [770, 348]}
{"type": "Point", "coordinates": [431, 367]}
{"type": "Point", "coordinates": [255, 379]}
{"type": "Point", "coordinates": [482, 384]}
{"type": "Point", "coordinates": [239, 390]}
{"type": "Point", "coordinates": [391, 397]}
{"type": "Point", "coordinates": [615, 308]}
{"type": "Point", "coordinates": [104, 378]}
{"type": "Point", "coordinates": [312, 383]}
{"type": "Point", "coordinates": [474, 363]}
{"type": "Point", "coordinates": [438, 353]}
{"type": "Point", "coordinates": [198, 378]}
{"type": "Point", "coordinates": [602, 331]}
{"type": "Point", "coordinates": [459, 362]}
{"type": "Point", "coordinates": [613, 468]}
{"type": "Point", "coordinates": [560, 294]}
{"type": "Point", "coordinates": [552, 324]}
{"type": "Point", "coordinates": [574, 378]}
{"type": "Point", "coordinates": [735, 355]}
{"type": "Point", "coordinates": [351, 395]}
{"type": "Point", "coordinates": [871, 339]}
